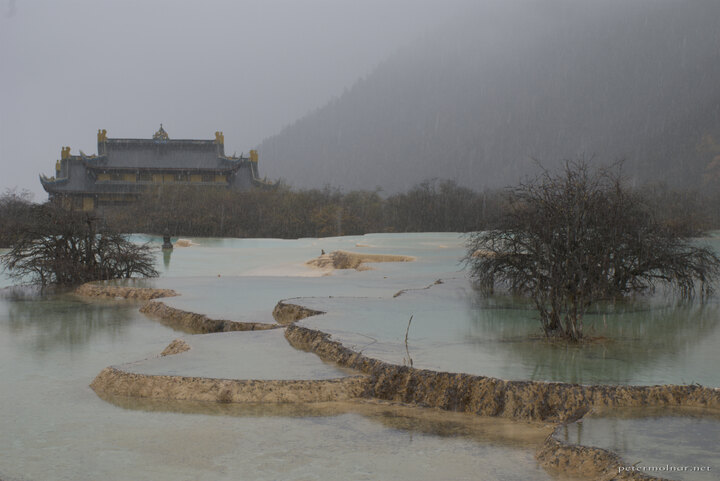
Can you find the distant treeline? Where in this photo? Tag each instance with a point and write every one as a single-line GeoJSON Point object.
{"type": "Point", "coordinates": [283, 212]}
{"type": "Point", "coordinates": [433, 206]}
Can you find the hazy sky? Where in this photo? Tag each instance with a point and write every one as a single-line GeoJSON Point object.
{"type": "Point", "coordinates": [246, 67]}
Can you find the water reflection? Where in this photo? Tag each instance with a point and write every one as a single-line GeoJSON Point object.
{"type": "Point", "coordinates": [167, 254]}
{"type": "Point", "coordinates": [643, 341]}
{"type": "Point", "coordinates": [55, 427]}
{"type": "Point", "coordinates": [256, 355]}
{"type": "Point", "coordinates": [655, 437]}
{"type": "Point", "coordinates": [498, 431]}
{"type": "Point", "coordinates": [47, 320]}
{"type": "Point", "coordinates": [515, 317]}
{"type": "Point", "coordinates": [628, 341]}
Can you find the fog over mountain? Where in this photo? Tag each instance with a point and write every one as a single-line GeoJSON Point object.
{"type": "Point", "coordinates": [244, 67]}
{"type": "Point", "coordinates": [469, 90]}
{"type": "Point", "coordinates": [479, 97]}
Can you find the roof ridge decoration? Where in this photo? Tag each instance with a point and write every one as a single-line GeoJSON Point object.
{"type": "Point", "coordinates": [161, 135]}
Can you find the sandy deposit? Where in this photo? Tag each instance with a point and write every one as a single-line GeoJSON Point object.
{"type": "Point", "coordinates": [180, 388]}
{"type": "Point", "coordinates": [198, 323]}
{"type": "Point", "coordinates": [584, 461]}
{"type": "Point", "coordinates": [529, 400]}
{"type": "Point", "coordinates": [184, 243]}
{"type": "Point", "coordinates": [287, 313]}
{"type": "Point", "coordinates": [519, 400]}
{"type": "Point", "coordinates": [176, 347]}
{"type": "Point", "coordinates": [515, 400]}
{"type": "Point", "coordinates": [352, 260]}
{"type": "Point", "coordinates": [91, 289]}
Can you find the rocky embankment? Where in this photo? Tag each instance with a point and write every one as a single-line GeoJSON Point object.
{"type": "Point", "coordinates": [198, 323]}
{"type": "Point", "coordinates": [117, 382]}
{"type": "Point", "coordinates": [353, 260]}
{"type": "Point", "coordinates": [92, 289]}
{"type": "Point", "coordinates": [176, 347]}
{"type": "Point", "coordinates": [520, 400]}
{"type": "Point", "coordinates": [487, 396]}
{"type": "Point", "coordinates": [177, 318]}
{"type": "Point", "coordinates": [585, 461]}
{"type": "Point", "coordinates": [287, 313]}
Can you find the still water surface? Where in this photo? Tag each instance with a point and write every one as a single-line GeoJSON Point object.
{"type": "Point", "coordinates": [54, 427]}
{"type": "Point", "coordinates": [645, 341]}
{"type": "Point", "coordinates": [52, 345]}
{"type": "Point", "coordinates": [675, 443]}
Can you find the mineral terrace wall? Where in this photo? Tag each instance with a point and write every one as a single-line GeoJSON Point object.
{"type": "Point", "coordinates": [182, 388]}
{"type": "Point", "coordinates": [92, 289]}
{"type": "Point", "coordinates": [532, 400]}
{"type": "Point", "coordinates": [199, 323]}
{"type": "Point", "coordinates": [520, 400]}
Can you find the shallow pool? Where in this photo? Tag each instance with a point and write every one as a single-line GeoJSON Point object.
{"type": "Point", "coordinates": [453, 329]}
{"type": "Point", "coordinates": [53, 344]}
{"type": "Point", "coordinates": [669, 443]}
{"type": "Point", "coordinates": [56, 428]}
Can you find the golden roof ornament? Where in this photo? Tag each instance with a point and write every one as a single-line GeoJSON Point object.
{"type": "Point", "coordinates": [161, 134]}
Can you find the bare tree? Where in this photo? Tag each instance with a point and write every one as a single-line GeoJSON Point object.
{"type": "Point", "coordinates": [56, 246]}
{"type": "Point", "coordinates": [570, 239]}
{"type": "Point", "coordinates": [14, 208]}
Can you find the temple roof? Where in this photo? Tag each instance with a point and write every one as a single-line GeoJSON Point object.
{"type": "Point", "coordinates": [161, 134]}
{"type": "Point", "coordinates": [88, 173]}
{"type": "Point", "coordinates": [161, 154]}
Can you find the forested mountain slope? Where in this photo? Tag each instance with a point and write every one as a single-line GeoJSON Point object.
{"type": "Point", "coordinates": [478, 99]}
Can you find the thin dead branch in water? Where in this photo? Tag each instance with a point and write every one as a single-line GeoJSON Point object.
{"type": "Point", "coordinates": [408, 360]}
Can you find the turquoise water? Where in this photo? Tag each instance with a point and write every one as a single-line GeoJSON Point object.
{"type": "Point", "coordinates": [54, 427]}
{"type": "Point", "coordinates": [645, 341]}
{"type": "Point", "coordinates": [52, 345]}
{"type": "Point", "coordinates": [437, 252]}
{"type": "Point", "coordinates": [670, 443]}
{"type": "Point", "coordinates": [240, 355]}
{"type": "Point", "coordinates": [454, 330]}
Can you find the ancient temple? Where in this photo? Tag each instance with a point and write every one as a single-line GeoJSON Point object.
{"type": "Point", "coordinates": [124, 168]}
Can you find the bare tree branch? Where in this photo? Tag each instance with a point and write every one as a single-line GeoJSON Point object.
{"type": "Point", "coordinates": [56, 246]}
{"type": "Point", "coordinates": [573, 238]}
